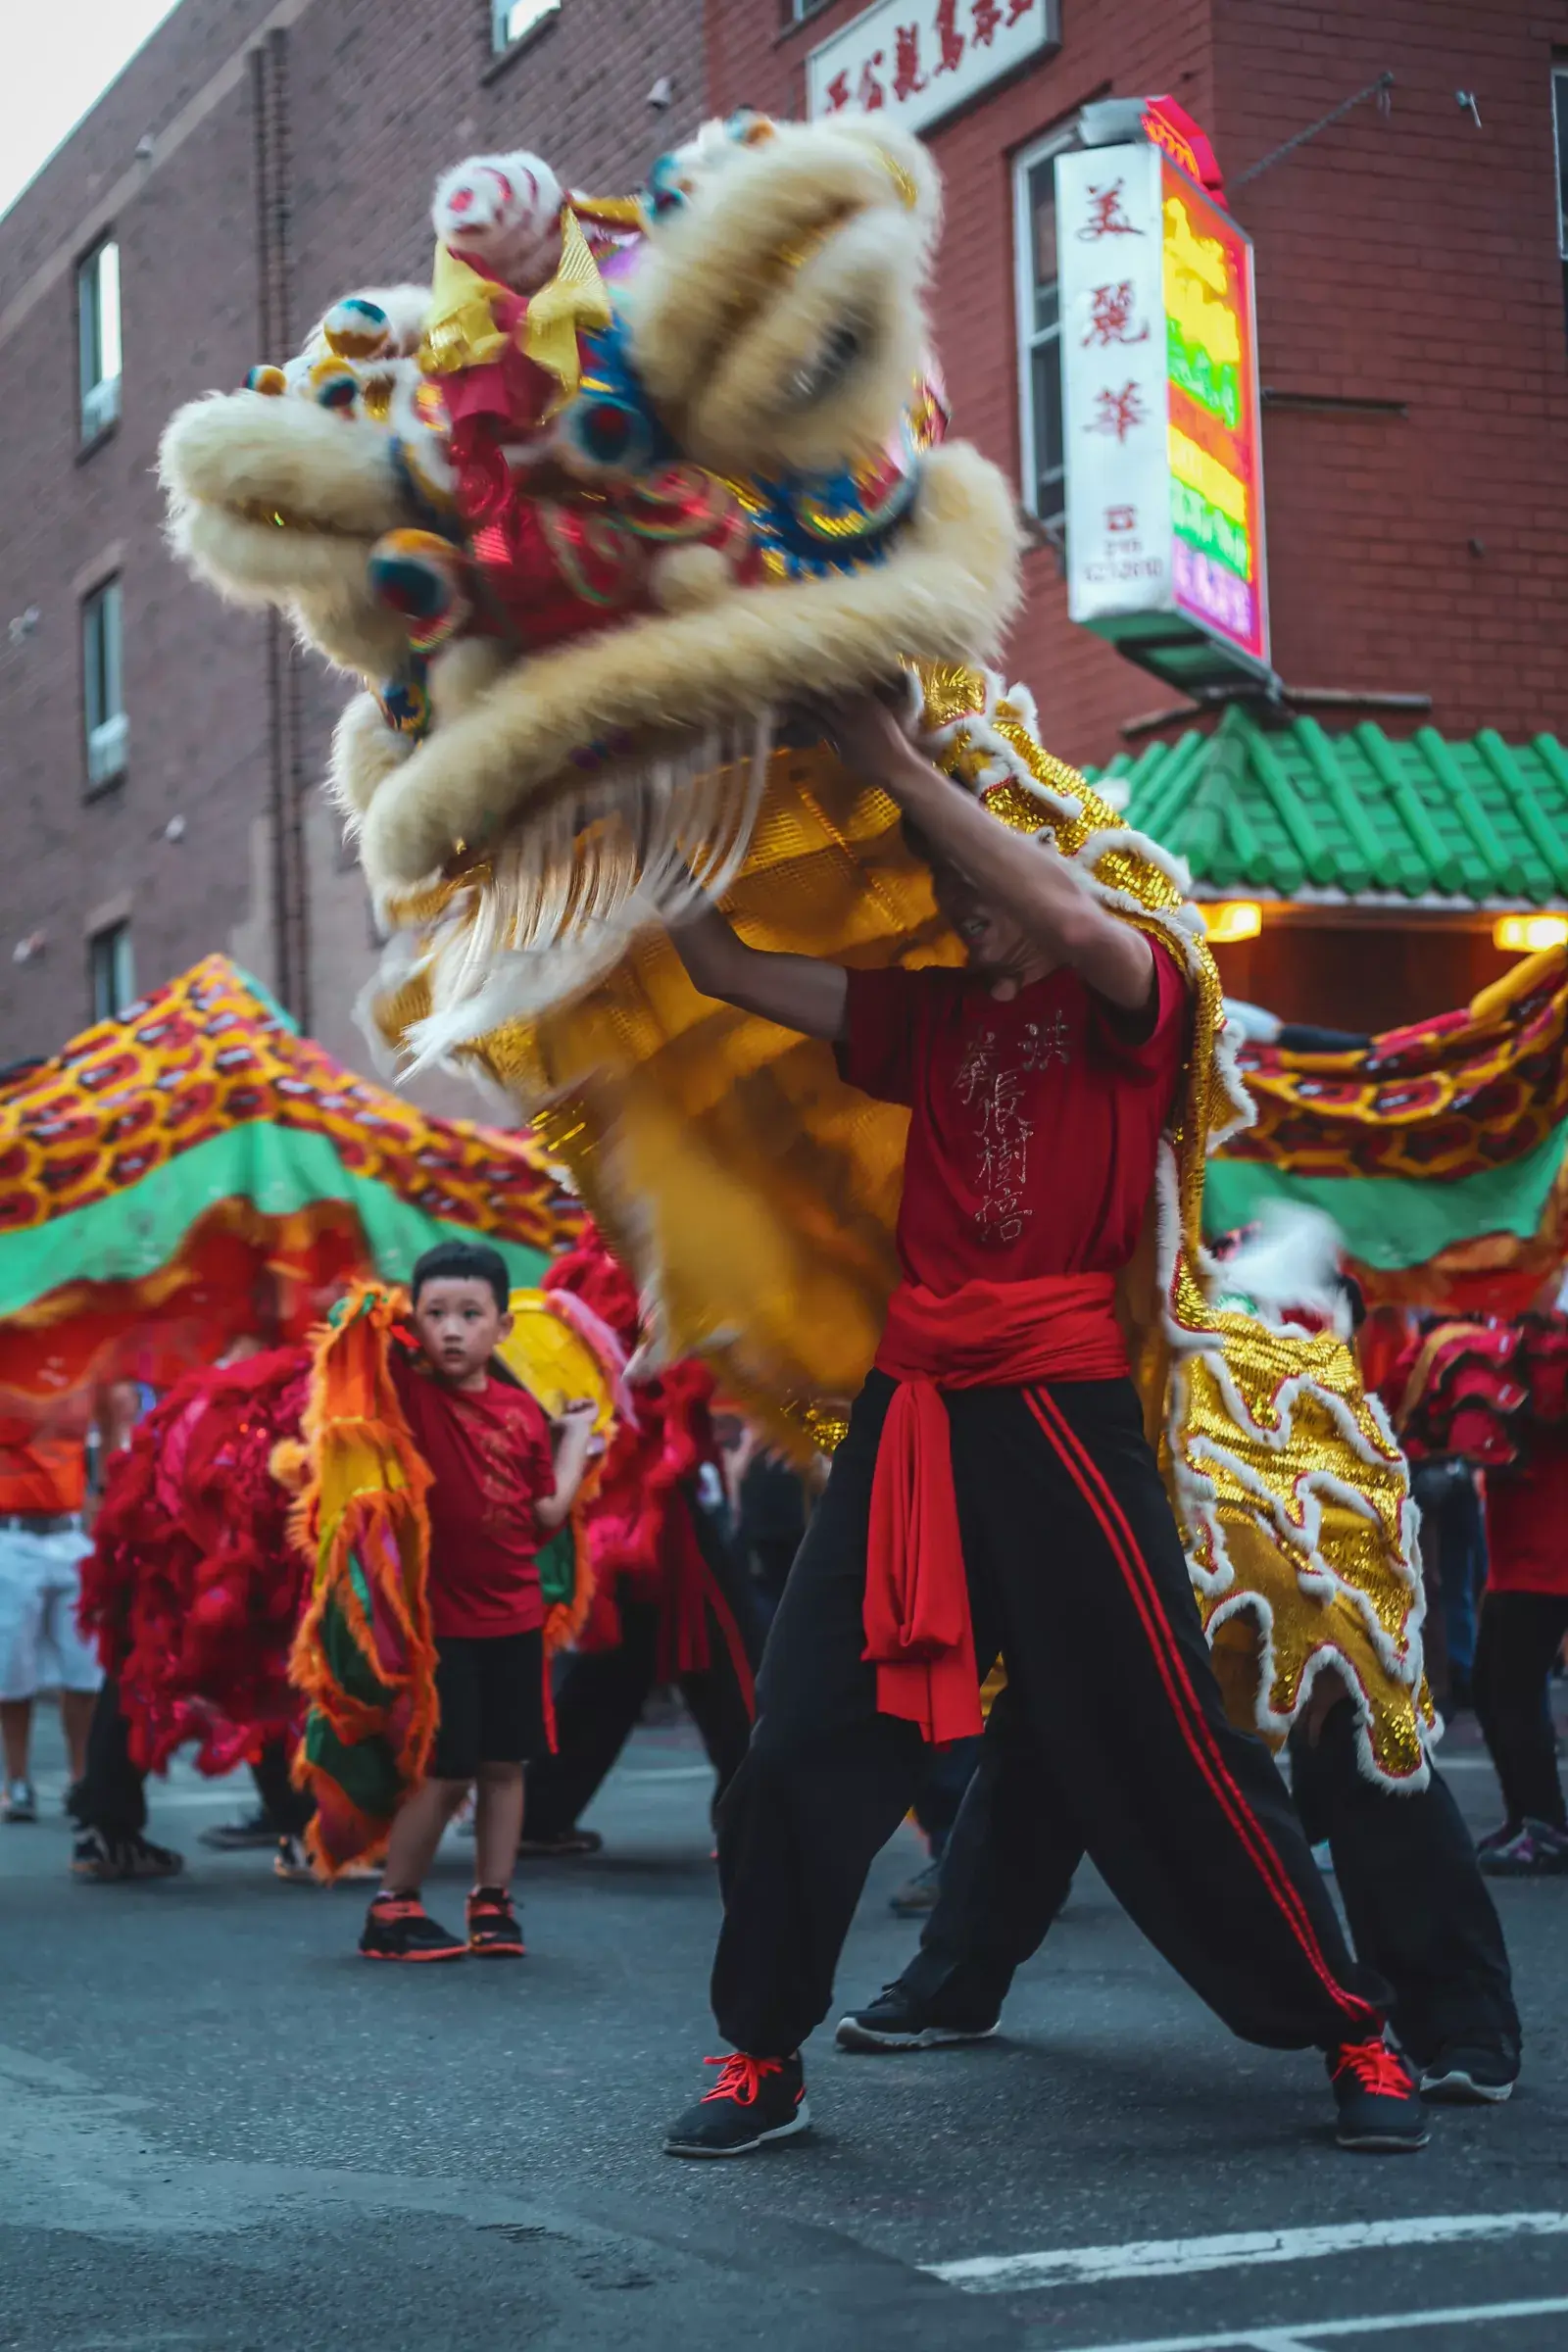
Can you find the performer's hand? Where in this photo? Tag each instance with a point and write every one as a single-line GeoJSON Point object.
{"type": "Point", "coordinates": [573, 1429]}
{"type": "Point", "coordinates": [869, 737]}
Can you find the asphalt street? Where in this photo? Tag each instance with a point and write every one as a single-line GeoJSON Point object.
{"type": "Point", "coordinates": [221, 2130]}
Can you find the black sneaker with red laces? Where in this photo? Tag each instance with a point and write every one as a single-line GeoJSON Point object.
{"type": "Point", "coordinates": [754, 2100]}
{"type": "Point", "coordinates": [1380, 2112]}
{"type": "Point", "coordinates": [398, 1927]}
{"type": "Point", "coordinates": [494, 1930]}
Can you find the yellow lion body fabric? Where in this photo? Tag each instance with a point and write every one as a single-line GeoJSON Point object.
{"type": "Point", "coordinates": [754, 1196]}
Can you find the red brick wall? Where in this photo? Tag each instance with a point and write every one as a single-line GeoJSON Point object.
{"type": "Point", "coordinates": [193, 670]}
{"type": "Point", "coordinates": [383, 93]}
{"type": "Point", "coordinates": [1413, 261]}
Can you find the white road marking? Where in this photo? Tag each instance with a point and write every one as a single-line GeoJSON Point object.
{"type": "Point", "coordinates": [1179, 2257]}
{"type": "Point", "coordinates": [1309, 2335]}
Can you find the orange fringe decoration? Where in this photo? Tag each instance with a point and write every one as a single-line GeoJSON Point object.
{"type": "Point", "coordinates": [362, 1519]}
{"type": "Point", "coordinates": [565, 1619]}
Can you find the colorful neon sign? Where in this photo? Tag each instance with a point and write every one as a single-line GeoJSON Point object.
{"type": "Point", "coordinates": [1211, 385]}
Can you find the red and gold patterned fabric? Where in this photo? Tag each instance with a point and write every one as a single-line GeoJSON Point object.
{"type": "Point", "coordinates": [1448, 1098]}
{"type": "Point", "coordinates": [195, 1171]}
{"type": "Point", "coordinates": [1469, 1095]}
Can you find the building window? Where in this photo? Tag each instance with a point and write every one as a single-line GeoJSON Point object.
{"type": "Point", "coordinates": [1559, 122]}
{"type": "Point", "coordinates": [796, 12]}
{"type": "Point", "coordinates": [111, 972]}
{"type": "Point", "coordinates": [102, 693]}
{"type": "Point", "coordinates": [98, 323]}
{"type": "Point", "coordinates": [510, 19]}
{"type": "Point", "coordinates": [1042, 468]}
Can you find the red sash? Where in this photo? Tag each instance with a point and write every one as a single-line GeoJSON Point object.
{"type": "Point", "coordinates": [987, 1334]}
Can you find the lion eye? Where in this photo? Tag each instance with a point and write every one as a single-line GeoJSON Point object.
{"type": "Point", "coordinates": [831, 363]}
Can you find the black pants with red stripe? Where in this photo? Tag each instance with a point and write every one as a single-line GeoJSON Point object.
{"type": "Point", "coordinates": [1077, 1575]}
{"type": "Point", "coordinates": [1412, 1890]}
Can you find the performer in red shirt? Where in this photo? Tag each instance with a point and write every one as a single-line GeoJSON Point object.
{"type": "Point", "coordinates": [1524, 1618]}
{"type": "Point", "coordinates": [996, 1494]}
{"type": "Point", "coordinates": [503, 1481]}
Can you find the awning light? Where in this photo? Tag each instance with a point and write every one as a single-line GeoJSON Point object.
{"type": "Point", "coordinates": [1228, 921]}
{"type": "Point", "coordinates": [1530, 934]}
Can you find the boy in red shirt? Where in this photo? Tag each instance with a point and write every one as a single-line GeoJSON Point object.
{"type": "Point", "coordinates": [505, 1480]}
{"type": "Point", "coordinates": [996, 1493]}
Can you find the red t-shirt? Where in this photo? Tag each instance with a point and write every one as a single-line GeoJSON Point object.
{"type": "Point", "coordinates": [490, 1453]}
{"type": "Point", "coordinates": [1527, 1519]}
{"type": "Point", "coordinates": [1035, 1122]}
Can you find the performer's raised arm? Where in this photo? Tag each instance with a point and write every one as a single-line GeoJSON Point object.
{"type": "Point", "coordinates": [984, 871]}
{"type": "Point", "coordinates": [795, 990]}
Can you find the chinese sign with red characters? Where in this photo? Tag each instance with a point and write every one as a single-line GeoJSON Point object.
{"type": "Point", "coordinates": [1160, 401]}
{"type": "Point", "coordinates": [920, 58]}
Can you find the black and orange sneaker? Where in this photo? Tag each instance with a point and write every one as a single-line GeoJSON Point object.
{"type": "Point", "coordinates": [494, 1932]}
{"type": "Point", "coordinates": [754, 2101]}
{"type": "Point", "coordinates": [97, 1854]}
{"type": "Point", "coordinates": [553, 1845]}
{"type": "Point", "coordinates": [398, 1927]}
{"type": "Point", "coordinates": [1380, 2112]}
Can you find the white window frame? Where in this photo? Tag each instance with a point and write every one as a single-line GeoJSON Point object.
{"type": "Point", "coordinates": [1560, 143]}
{"type": "Point", "coordinates": [111, 971]}
{"type": "Point", "coordinates": [1026, 339]}
{"type": "Point", "coordinates": [98, 337]}
{"type": "Point", "coordinates": [513, 21]}
{"type": "Point", "coordinates": [103, 662]}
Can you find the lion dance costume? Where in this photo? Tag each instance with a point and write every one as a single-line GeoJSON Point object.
{"type": "Point", "coordinates": [247, 1477]}
{"type": "Point", "coordinates": [587, 541]}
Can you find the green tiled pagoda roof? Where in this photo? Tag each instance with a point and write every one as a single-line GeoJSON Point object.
{"type": "Point", "coordinates": [1292, 811]}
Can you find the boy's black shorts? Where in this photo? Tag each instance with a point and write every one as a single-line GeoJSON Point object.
{"type": "Point", "coordinates": [491, 1692]}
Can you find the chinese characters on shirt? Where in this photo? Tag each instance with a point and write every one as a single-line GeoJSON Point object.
{"type": "Point", "coordinates": [991, 1085]}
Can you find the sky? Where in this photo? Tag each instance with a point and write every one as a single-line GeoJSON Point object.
{"type": "Point", "coordinates": [59, 59]}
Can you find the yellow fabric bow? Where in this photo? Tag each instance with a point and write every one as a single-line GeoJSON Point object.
{"type": "Point", "coordinates": [462, 331]}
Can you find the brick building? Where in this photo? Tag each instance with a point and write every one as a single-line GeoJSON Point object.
{"type": "Point", "coordinates": [1411, 266]}
{"type": "Point", "coordinates": [257, 156]}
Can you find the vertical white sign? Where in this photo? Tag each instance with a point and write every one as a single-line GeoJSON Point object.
{"type": "Point", "coordinates": [1115, 425]}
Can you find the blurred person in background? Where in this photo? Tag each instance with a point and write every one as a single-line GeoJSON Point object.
{"type": "Point", "coordinates": [769, 1509]}
{"type": "Point", "coordinates": [1524, 1618]}
{"type": "Point", "coordinates": [43, 1540]}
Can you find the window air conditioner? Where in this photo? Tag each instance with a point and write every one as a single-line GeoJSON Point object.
{"type": "Point", "coordinates": [105, 749]}
{"type": "Point", "coordinates": [100, 407]}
